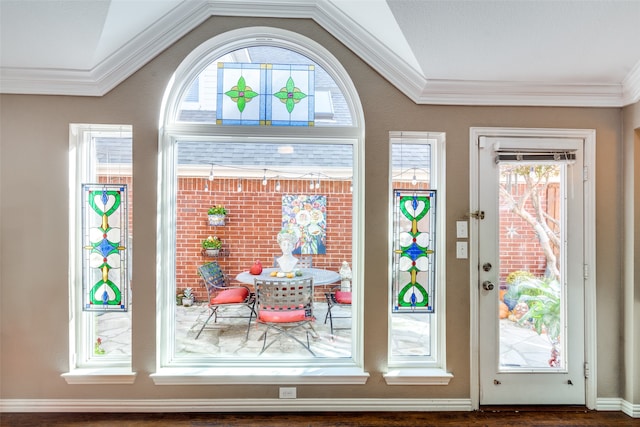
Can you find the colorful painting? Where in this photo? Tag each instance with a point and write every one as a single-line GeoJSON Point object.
{"type": "Point", "coordinates": [307, 217]}
{"type": "Point", "coordinates": [104, 234]}
{"type": "Point", "coordinates": [413, 254]}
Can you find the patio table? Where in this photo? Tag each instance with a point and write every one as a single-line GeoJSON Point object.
{"type": "Point", "coordinates": [319, 275]}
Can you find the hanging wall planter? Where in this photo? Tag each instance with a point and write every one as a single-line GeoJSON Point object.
{"type": "Point", "coordinates": [212, 252]}
{"type": "Point", "coordinates": [216, 220]}
{"type": "Point", "coordinates": [217, 215]}
{"type": "Point", "coordinates": [211, 246]}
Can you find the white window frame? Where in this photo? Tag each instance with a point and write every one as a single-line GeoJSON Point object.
{"type": "Point", "coordinates": [424, 370]}
{"type": "Point", "coordinates": [170, 371]}
{"type": "Point", "coordinates": [83, 368]}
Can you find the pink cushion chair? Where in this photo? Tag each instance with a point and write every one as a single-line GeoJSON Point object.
{"type": "Point", "coordinates": [337, 297]}
{"type": "Point", "coordinates": [221, 294]}
{"type": "Point", "coordinates": [285, 306]}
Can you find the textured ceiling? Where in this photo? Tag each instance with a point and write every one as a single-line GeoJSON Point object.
{"type": "Point", "coordinates": [527, 52]}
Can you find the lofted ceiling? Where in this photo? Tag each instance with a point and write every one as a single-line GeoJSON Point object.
{"type": "Point", "coordinates": [467, 52]}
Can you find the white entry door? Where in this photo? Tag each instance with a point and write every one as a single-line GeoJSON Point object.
{"type": "Point", "coordinates": [531, 270]}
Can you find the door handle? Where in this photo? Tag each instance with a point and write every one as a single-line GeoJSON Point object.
{"type": "Point", "coordinates": [487, 285]}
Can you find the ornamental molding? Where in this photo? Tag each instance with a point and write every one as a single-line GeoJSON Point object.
{"type": "Point", "coordinates": [421, 90]}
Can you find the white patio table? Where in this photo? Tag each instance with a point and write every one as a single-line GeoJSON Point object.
{"type": "Point", "coordinates": [320, 276]}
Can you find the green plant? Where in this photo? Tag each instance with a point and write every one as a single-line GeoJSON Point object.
{"type": "Point", "coordinates": [97, 347]}
{"type": "Point", "coordinates": [518, 275]}
{"type": "Point", "coordinates": [217, 210]}
{"type": "Point", "coordinates": [545, 308]}
{"type": "Point", "coordinates": [520, 282]}
{"type": "Point", "coordinates": [513, 293]}
{"type": "Point", "coordinates": [212, 243]}
{"type": "Point", "coordinates": [187, 293]}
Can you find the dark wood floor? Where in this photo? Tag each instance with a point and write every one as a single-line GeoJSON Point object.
{"type": "Point", "coordinates": [503, 416]}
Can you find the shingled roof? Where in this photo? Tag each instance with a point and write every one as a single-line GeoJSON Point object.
{"type": "Point", "coordinates": [259, 156]}
{"type": "Point", "coordinates": [262, 155]}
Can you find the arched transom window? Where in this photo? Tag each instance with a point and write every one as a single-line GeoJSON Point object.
{"type": "Point", "coordinates": [264, 126]}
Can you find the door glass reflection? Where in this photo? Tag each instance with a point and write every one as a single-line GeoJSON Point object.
{"type": "Point", "coordinates": [531, 306]}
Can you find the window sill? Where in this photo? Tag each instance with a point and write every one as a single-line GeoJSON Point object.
{"type": "Point", "coordinates": [100, 376]}
{"type": "Point", "coordinates": [417, 376]}
{"type": "Point", "coordinates": [262, 375]}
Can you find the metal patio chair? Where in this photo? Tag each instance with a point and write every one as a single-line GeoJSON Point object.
{"type": "Point", "coordinates": [222, 295]}
{"type": "Point", "coordinates": [304, 261]}
{"type": "Point", "coordinates": [285, 307]}
{"type": "Point", "coordinates": [337, 297]}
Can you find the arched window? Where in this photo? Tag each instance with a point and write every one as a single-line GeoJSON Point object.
{"type": "Point", "coordinates": [266, 124]}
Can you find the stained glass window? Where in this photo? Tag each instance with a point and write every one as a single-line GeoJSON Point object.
{"type": "Point", "coordinates": [104, 262]}
{"type": "Point", "coordinates": [413, 250]}
{"type": "Point", "coordinates": [265, 94]}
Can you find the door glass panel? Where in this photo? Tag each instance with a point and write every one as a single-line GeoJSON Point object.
{"type": "Point", "coordinates": [531, 246]}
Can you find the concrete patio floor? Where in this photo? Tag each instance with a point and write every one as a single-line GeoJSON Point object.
{"type": "Point", "coordinates": [521, 346]}
{"type": "Point", "coordinates": [228, 337]}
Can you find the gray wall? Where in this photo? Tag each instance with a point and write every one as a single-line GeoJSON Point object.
{"type": "Point", "coordinates": [34, 227]}
{"type": "Point", "coordinates": [631, 284]}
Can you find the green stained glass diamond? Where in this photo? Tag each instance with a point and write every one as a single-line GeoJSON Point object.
{"type": "Point", "coordinates": [241, 94]}
{"type": "Point", "coordinates": [290, 95]}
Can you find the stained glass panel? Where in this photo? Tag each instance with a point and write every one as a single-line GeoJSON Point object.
{"type": "Point", "coordinates": [292, 100]}
{"type": "Point", "coordinates": [265, 94]}
{"type": "Point", "coordinates": [105, 282]}
{"type": "Point", "coordinates": [413, 250]}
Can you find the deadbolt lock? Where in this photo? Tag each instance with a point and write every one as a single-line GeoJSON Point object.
{"type": "Point", "coordinates": [487, 285]}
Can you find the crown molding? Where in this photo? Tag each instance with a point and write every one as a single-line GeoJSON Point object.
{"type": "Point", "coordinates": [504, 93]}
{"type": "Point", "coordinates": [189, 14]}
{"type": "Point", "coordinates": [47, 81]}
{"type": "Point", "coordinates": [149, 44]}
{"type": "Point", "coordinates": [631, 86]}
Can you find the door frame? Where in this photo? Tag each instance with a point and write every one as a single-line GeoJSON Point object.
{"type": "Point", "coordinates": [589, 136]}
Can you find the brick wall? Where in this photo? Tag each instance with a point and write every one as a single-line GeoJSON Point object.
{"type": "Point", "coordinates": [519, 247]}
{"type": "Point", "coordinates": [254, 218]}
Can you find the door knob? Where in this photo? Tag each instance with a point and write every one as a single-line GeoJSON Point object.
{"type": "Point", "coordinates": [487, 285]}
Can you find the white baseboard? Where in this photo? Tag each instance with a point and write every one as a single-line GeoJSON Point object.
{"type": "Point", "coordinates": [267, 405]}
{"type": "Point", "coordinates": [617, 404]}
{"type": "Point", "coordinates": [233, 405]}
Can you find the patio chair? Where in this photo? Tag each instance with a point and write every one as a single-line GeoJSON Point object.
{"type": "Point", "coordinates": [285, 307]}
{"type": "Point", "coordinates": [222, 295]}
{"type": "Point", "coordinates": [337, 297]}
{"type": "Point", "coordinates": [304, 261]}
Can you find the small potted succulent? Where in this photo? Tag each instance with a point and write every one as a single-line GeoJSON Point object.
{"type": "Point", "coordinates": [187, 297]}
{"type": "Point", "coordinates": [212, 245]}
{"type": "Point", "coordinates": [217, 215]}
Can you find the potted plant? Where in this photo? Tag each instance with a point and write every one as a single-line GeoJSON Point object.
{"type": "Point", "coordinates": [545, 312]}
{"type": "Point", "coordinates": [212, 245]}
{"type": "Point", "coordinates": [217, 215]}
{"type": "Point", "coordinates": [514, 290]}
{"type": "Point", "coordinates": [187, 297]}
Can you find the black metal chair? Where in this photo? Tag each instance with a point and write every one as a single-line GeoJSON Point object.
{"type": "Point", "coordinates": [221, 294]}
{"type": "Point", "coordinates": [337, 297]}
{"type": "Point", "coordinates": [285, 306]}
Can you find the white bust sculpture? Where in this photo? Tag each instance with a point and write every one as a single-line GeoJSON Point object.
{"type": "Point", "coordinates": [287, 241]}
